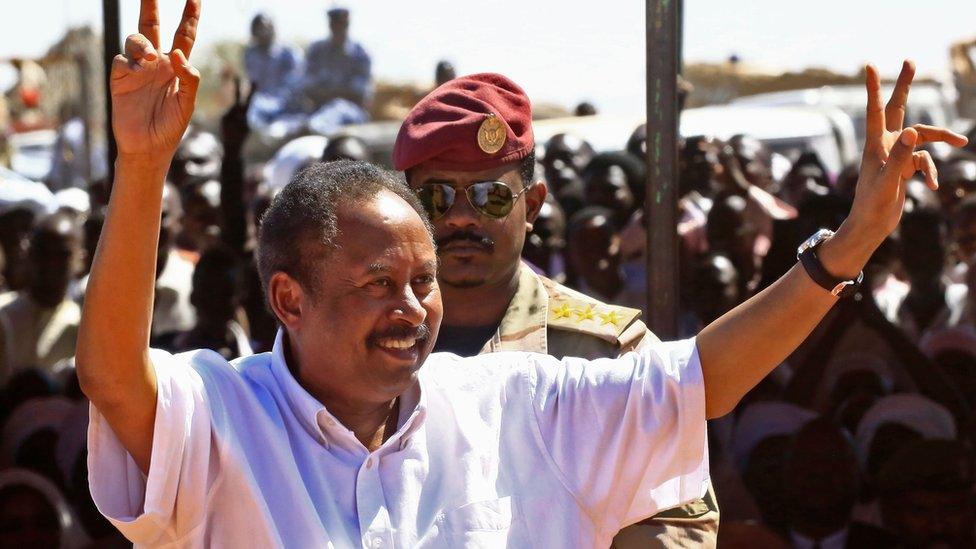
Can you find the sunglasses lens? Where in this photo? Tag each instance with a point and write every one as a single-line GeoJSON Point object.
{"type": "Point", "coordinates": [492, 198]}
{"type": "Point", "coordinates": [437, 199]}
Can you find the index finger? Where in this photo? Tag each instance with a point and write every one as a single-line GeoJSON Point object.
{"type": "Point", "coordinates": [895, 110]}
{"type": "Point", "coordinates": [149, 21]}
{"type": "Point", "coordinates": [875, 116]}
{"type": "Point", "coordinates": [186, 33]}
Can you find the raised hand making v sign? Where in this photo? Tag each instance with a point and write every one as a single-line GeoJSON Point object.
{"type": "Point", "coordinates": [153, 93]}
{"type": "Point", "coordinates": [152, 101]}
{"type": "Point", "coordinates": [740, 348]}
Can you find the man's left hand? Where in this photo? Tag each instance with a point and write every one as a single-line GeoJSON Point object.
{"type": "Point", "coordinates": [890, 158]}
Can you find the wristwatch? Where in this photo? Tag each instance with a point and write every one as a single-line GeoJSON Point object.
{"type": "Point", "coordinates": [807, 254]}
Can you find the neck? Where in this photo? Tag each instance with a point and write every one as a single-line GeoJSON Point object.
{"type": "Point", "coordinates": [372, 423]}
{"type": "Point", "coordinates": [492, 301]}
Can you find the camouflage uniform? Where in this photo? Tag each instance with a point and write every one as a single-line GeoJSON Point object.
{"type": "Point", "coordinates": [546, 317]}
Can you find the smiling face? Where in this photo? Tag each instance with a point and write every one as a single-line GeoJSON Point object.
{"type": "Point", "coordinates": [369, 323]}
{"type": "Point", "coordinates": [476, 250]}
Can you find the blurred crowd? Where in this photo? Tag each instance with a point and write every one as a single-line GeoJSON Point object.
{"type": "Point", "coordinates": [865, 435]}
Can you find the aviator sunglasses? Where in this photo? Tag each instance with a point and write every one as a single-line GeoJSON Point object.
{"type": "Point", "coordinates": [493, 199]}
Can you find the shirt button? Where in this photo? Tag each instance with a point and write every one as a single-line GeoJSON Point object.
{"type": "Point", "coordinates": [369, 463]}
{"type": "Point", "coordinates": [377, 543]}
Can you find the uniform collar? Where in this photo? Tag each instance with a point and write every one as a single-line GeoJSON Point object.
{"type": "Point", "coordinates": [523, 328]}
{"type": "Point", "coordinates": [324, 427]}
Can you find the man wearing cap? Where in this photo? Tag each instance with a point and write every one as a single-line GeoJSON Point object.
{"type": "Point", "coordinates": [469, 152]}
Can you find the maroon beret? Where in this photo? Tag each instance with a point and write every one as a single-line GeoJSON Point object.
{"type": "Point", "coordinates": [470, 123]}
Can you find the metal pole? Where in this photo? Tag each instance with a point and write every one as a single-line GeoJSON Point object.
{"type": "Point", "coordinates": [84, 70]}
{"type": "Point", "coordinates": [112, 46]}
{"type": "Point", "coordinates": [662, 166]}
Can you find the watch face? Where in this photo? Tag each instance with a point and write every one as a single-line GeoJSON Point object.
{"type": "Point", "coordinates": [814, 240]}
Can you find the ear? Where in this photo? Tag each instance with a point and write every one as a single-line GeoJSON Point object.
{"type": "Point", "coordinates": [286, 299]}
{"type": "Point", "coordinates": [535, 197]}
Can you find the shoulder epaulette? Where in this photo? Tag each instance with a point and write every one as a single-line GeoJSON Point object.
{"type": "Point", "coordinates": [574, 311]}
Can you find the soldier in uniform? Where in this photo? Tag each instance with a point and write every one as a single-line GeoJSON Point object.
{"type": "Point", "coordinates": [468, 150]}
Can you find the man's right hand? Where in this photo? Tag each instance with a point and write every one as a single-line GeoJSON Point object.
{"type": "Point", "coordinates": [153, 93]}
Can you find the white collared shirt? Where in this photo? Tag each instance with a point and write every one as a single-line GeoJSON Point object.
{"type": "Point", "coordinates": [507, 449]}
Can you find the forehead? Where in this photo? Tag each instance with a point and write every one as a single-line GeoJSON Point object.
{"type": "Point", "coordinates": [508, 172]}
{"type": "Point", "coordinates": [384, 228]}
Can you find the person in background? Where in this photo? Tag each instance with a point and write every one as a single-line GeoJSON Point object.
{"type": "Point", "coordinates": [197, 160]}
{"type": "Point", "coordinates": [271, 67]}
{"type": "Point", "coordinates": [38, 328]}
{"type": "Point", "coordinates": [755, 159]}
{"type": "Point", "coordinates": [345, 147]}
{"type": "Point", "coordinates": [930, 303]}
{"type": "Point", "coordinates": [717, 289]}
{"type": "Point", "coordinates": [338, 81]}
{"type": "Point", "coordinates": [614, 181]}
{"type": "Point", "coordinates": [546, 242]}
{"type": "Point", "coordinates": [274, 71]}
{"type": "Point", "coordinates": [958, 177]}
{"type": "Point", "coordinates": [822, 481]}
{"type": "Point", "coordinates": [216, 297]}
{"type": "Point", "coordinates": [594, 253]}
{"type": "Point", "coordinates": [444, 72]}
{"type": "Point", "coordinates": [172, 312]}
{"type": "Point", "coordinates": [731, 233]}
{"type": "Point", "coordinates": [585, 108]}
{"type": "Point", "coordinates": [33, 513]}
{"type": "Point", "coordinates": [926, 492]}
{"type": "Point", "coordinates": [201, 222]}
{"type": "Point", "coordinates": [16, 224]}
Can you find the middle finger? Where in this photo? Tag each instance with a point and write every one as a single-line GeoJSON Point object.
{"type": "Point", "coordinates": [895, 109]}
{"type": "Point", "coordinates": [149, 21]}
{"type": "Point", "coordinates": [186, 33]}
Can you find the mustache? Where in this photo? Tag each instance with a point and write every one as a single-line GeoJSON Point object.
{"type": "Point", "coordinates": [470, 236]}
{"type": "Point", "coordinates": [420, 333]}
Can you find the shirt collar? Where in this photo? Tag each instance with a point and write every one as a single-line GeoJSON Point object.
{"type": "Point", "coordinates": [523, 328]}
{"type": "Point", "coordinates": [313, 415]}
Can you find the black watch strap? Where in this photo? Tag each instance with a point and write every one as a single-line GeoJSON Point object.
{"type": "Point", "coordinates": [838, 286]}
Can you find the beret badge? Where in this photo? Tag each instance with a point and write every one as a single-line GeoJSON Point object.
{"type": "Point", "coordinates": [491, 135]}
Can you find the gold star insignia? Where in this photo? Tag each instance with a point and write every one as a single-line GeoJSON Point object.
{"type": "Point", "coordinates": [562, 312]}
{"type": "Point", "coordinates": [585, 314]}
{"type": "Point", "coordinates": [609, 318]}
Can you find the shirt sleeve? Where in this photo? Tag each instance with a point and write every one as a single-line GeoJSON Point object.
{"type": "Point", "coordinates": [169, 503]}
{"type": "Point", "coordinates": [627, 435]}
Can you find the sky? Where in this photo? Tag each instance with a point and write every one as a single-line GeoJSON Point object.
{"type": "Point", "coordinates": [560, 51]}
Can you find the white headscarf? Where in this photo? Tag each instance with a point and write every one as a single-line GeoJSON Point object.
{"type": "Point", "coordinates": [916, 412]}
{"type": "Point", "coordinates": [292, 157]}
{"type": "Point", "coordinates": [762, 420]}
{"type": "Point", "coordinates": [72, 534]}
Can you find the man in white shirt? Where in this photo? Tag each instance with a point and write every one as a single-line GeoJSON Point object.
{"type": "Point", "coordinates": [347, 435]}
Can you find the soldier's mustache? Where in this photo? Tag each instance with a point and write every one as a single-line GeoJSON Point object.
{"type": "Point", "coordinates": [470, 236]}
